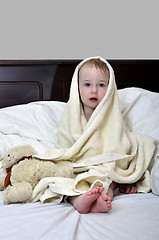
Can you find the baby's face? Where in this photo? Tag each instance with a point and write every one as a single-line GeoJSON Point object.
{"type": "Point", "coordinates": [93, 84]}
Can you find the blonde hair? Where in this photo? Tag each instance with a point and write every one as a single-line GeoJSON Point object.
{"type": "Point", "coordinates": [97, 63]}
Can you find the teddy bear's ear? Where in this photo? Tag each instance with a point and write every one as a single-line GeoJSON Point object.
{"type": "Point", "coordinates": [27, 150]}
{"type": "Point", "coordinates": [23, 150]}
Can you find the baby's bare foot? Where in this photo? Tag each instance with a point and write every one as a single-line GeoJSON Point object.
{"type": "Point", "coordinates": [102, 204]}
{"type": "Point", "coordinates": [128, 188]}
{"type": "Point", "coordinates": [84, 202]}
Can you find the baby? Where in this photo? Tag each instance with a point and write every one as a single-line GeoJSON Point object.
{"type": "Point", "coordinates": [93, 80]}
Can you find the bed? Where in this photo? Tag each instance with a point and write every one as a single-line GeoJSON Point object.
{"type": "Point", "coordinates": [36, 91]}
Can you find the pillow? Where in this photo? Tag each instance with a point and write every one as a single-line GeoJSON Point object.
{"type": "Point", "coordinates": [140, 109]}
{"type": "Point", "coordinates": [34, 123]}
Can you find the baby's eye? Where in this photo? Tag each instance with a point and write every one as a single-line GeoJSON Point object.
{"type": "Point", "coordinates": [101, 85]}
{"type": "Point", "coordinates": [87, 84]}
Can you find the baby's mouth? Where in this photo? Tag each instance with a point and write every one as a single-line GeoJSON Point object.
{"type": "Point", "coordinates": [93, 99]}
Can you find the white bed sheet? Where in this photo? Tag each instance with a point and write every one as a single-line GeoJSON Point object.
{"type": "Point", "coordinates": [132, 217]}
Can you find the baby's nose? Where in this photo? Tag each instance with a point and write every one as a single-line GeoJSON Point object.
{"type": "Point", "coordinates": [94, 89]}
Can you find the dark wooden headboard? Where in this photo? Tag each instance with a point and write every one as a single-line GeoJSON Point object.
{"type": "Point", "coordinates": [23, 81]}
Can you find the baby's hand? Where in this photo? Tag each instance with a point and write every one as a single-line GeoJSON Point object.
{"type": "Point", "coordinates": [127, 188]}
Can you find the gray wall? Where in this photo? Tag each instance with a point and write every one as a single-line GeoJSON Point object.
{"type": "Point", "coordinates": [56, 29]}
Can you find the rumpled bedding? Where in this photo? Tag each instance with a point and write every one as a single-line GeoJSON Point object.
{"type": "Point", "coordinates": [15, 122]}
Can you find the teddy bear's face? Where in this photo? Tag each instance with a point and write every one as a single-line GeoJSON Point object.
{"type": "Point", "coordinates": [10, 159]}
{"type": "Point", "coordinates": [15, 154]}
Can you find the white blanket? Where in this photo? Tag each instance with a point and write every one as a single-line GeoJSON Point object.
{"type": "Point", "coordinates": [102, 150]}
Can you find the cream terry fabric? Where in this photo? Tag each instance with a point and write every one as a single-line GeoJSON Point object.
{"type": "Point", "coordinates": [101, 150]}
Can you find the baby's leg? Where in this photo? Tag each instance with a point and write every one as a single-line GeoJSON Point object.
{"type": "Point", "coordinates": [84, 202]}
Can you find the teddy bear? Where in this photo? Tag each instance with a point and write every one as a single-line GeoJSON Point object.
{"type": "Point", "coordinates": [23, 172]}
